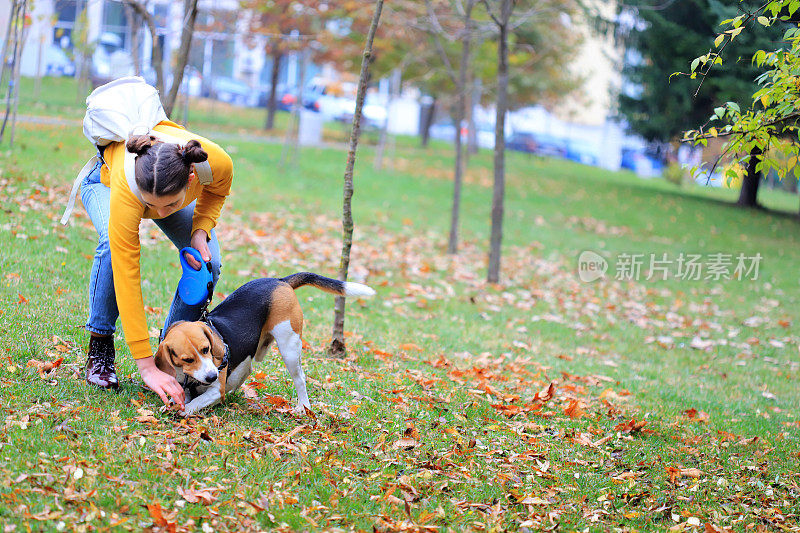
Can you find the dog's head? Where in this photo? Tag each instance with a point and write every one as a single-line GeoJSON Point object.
{"type": "Point", "coordinates": [192, 347]}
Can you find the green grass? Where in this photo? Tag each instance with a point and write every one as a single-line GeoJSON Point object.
{"type": "Point", "coordinates": [438, 356]}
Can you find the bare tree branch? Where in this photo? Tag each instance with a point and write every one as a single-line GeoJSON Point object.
{"type": "Point", "coordinates": [489, 12]}
{"type": "Point", "coordinates": [439, 48]}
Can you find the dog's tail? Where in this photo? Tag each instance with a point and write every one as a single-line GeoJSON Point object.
{"type": "Point", "coordinates": [333, 286]}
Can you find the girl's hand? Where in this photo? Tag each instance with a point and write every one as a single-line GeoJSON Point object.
{"type": "Point", "coordinates": [199, 242]}
{"type": "Point", "coordinates": [161, 383]}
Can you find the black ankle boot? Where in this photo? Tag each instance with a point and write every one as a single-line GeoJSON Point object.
{"type": "Point", "coordinates": [100, 370]}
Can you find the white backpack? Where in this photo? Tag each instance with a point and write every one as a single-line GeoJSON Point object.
{"type": "Point", "coordinates": [116, 111]}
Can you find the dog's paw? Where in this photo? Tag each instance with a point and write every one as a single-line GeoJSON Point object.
{"type": "Point", "coordinates": [300, 409]}
{"type": "Point", "coordinates": [189, 411]}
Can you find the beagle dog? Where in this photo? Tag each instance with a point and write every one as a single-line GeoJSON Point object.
{"type": "Point", "coordinates": [215, 356]}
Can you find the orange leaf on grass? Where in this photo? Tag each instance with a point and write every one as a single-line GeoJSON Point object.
{"type": "Point", "coordinates": [411, 431]}
{"type": "Point", "coordinates": [508, 410]}
{"type": "Point", "coordinates": [22, 299]}
{"type": "Point", "coordinates": [43, 367]}
{"type": "Point", "coordinates": [631, 426]}
{"type": "Point", "coordinates": [693, 413]}
{"type": "Point", "coordinates": [277, 401]}
{"type": "Point", "coordinates": [545, 395]}
{"type": "Point", "coordinates": [205, 495]}
{"type": "Point", "coordinates": [440, 363]}
{"type": "Point", "coordinates": [677, 473]}
{"type": "Point", "coordinates": [156, 514]}
{"type": "Point", "coordinates": [409, 346]}
{"type": "Point", "coordinates": [573, 410]}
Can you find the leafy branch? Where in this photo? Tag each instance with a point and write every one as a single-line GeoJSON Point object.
{"type": "Point", "coordinates": [761, 130]}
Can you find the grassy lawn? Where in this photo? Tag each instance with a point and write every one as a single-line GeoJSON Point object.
{"type": "Point", "coordinates": [674, 403]}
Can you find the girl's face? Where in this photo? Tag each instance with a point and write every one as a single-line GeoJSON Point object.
{"type": "Point", "coordinates": [164, 205]}
{"type": "Point", "coordinates": [168, 204]}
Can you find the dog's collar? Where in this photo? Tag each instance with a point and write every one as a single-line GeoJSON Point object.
{"type": "Point", "coordinates": [225, 357]}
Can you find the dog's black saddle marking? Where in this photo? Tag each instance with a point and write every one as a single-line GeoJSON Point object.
{"type": "Point", "coordinates": [240, 317]}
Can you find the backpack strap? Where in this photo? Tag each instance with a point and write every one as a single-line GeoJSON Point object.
{"type": "Point", "coordinates": [129, 167]}
{"type": "Point", "coordinates": [87, 168]}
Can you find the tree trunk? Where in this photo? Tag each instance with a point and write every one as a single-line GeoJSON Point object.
{"type": "Point", "coordinates": [37, 84]}
{"type": "Point", "coordinates": [183, 54]}
{"type": "Point", "coordinates": [130, 15]}
{"type": "Point", "coordinates": [461, 110]}
{"type": "Point", "coordinates": [157, 55]}
{"type": "Point", "coordinates": [748, 196]}
{"type": "Point", "coordinates": [276, 55]}
{"type": "Point", "coordinates": [292, 138]}
{"type": "Point", "coordinates": [394, 84]}
{"type": "Point", "coordinates": [84, 50]}
{"type": "Point", "coordinates": [427, 120]}
{"type": "Point", "coordinates": [337, 347]}
{"type": "Point", "coordinates": [474, 99]}
{"type": "Point", "coordinates": [16, 25]}
{"type": "Point", "coordinates": [498, 195]}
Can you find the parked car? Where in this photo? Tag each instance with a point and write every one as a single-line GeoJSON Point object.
{"type": "Point", "coordinates": [485, 135]}
{"type": "Point", "coordinates": [444, 131]}
{"type": "Point", "coordinates": [522, 142]}
{"type": "Point", "coordinates": [334, 100]}
{"type": "Point", "coordinates": [233, 91]}
{"type": "Point", "coordinates": [110, 59]}
{"type": "Point", "coordinates": [373, 113]}
{"type": "Point", "coordinates": [641, 162]}
{"type": "Point", "coordinates": [310, 100]}
{"type": "Point", "coordinates": [191, 83]}
{"type": "Point", "coordinates": [332, 107]}
{"type": "Point", "coordinates": [538, 143]}
{"type": "Point", "coordinates": [582, 152]}
{"type": "Point", "coordinates": [262, 92]}
{"type": "Point", "coordinates": [55, 61]}
{"type": "Point", "coordinates": [551, 146]}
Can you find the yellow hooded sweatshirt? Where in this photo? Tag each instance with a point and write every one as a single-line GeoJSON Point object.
{"type": "Point", "coordinates": [127, 212]}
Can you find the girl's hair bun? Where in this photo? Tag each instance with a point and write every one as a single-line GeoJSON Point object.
{"type": "Point", "coordinates": [139, 144]}
{"type": "Point", "coordinates": [193, 153]}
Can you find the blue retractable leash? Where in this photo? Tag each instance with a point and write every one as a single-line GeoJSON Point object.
{"type": "Point", "coordinates": [195, 286]}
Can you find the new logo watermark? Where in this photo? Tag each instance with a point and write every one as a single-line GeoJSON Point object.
{"type": "Point", "coordinates": [661, 266]}
{"type": "Point", "coordinates": [591, 266]}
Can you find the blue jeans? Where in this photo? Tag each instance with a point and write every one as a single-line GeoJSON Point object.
{"type": "Point", "coordinates": [177, 227]}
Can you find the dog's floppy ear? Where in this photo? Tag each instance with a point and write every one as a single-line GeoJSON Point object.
{"type": "Point", "coordinates": [217, 346]}
{"type": "Point", "coordinates": [163, 359]}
